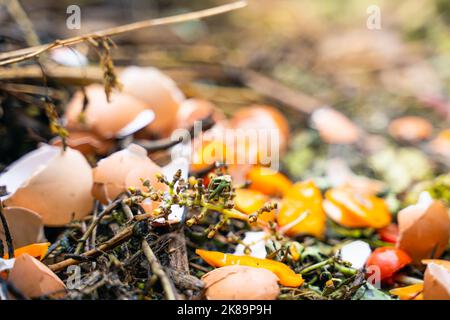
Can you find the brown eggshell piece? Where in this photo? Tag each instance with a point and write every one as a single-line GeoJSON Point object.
{"type": "Point", "coordinates": [34, 279]}
{"type": "Point", "coordinates": [104, 118]}
{"type": "Point", "coordinates": [123, 169]}
{"type": "Point", "coordinates": [334, 127]}
{"type": "Point", "coordinates": [424, 230]}
{"type": "Point", "coordinates": [410, 128]}
{"type": "Point", "coordinates": [55, 184]}
{"type": "Point", "coordinates": [158, 91]}
{"type": "Point", "coordinates": [262, 117]}
{"type": "Point", "coordinates": [241, 283]}
{"type": "Point", "coordinates": [86, 142]}
{"type": "Point", "coordinates": [26, 226]}
{"type": "Point", "coordinates": [437, 282]}
{"type": "Point", "coordinates": [192, 110]}
{"type": "Point", "coordinates": [441, 144]}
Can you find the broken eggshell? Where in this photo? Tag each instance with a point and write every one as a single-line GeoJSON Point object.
{"type": "Point", "coordinates": [241, 283]}
{"type": "Point", "coordinates": [192, 110]}
{"type": "Point", "coordinates": [34, 279]}
{"type": "Point", "coordinates": [158, 92]}
{"type": "Point", "coordinates": [86, 142]}
{"type": "Point", "coordinates": [256, 241]}
{"type": "Point", "coordinates": [441, 144]}
{"type": "Point", "coordinates": [334, 127]}
{"type": "Point", "coordinates": [437, 280]}
{"type": "Point", "coordinates": [263, 118]}
{"type": "Point", "coordinates": [55, 184]}
{"type": "Point", "coordinates": [123, 115]}
{"type": "Point", "coordinates": [123, 169]}
{"type": "Point", "coordinates": [424, 229]}
{"type": "Point", "coordinates": [356, 252]}
{"type": "Point", "coordinates": [410, 128]}
{"type": "Point", "coordinates": [25, 226]}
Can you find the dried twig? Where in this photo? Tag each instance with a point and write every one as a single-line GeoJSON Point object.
{"type": "Point", "coordinates": [8, 237]}
{"type": "Point", "coordinates": [118, 239]}
{"type": "Point", "coordinates": [28, 53]}
{"type": "Point", "coordinates": [94, 224]}
{"type": "Point", "coordinates": [158, 270]}
{"type": "Point", "coordinates": [20, 16]}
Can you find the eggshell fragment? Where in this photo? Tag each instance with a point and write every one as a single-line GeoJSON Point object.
{"type": "Point", "coordinates": [256, 242]}
{"type": "Point", "coordinates": [121, 116]}
{"type": "Point", "coordinates": [34, 279]}
{"type": "Point", "coordinates": [241, 283]}
{"type": "Point", "coordinates": [410, 128]}
{"type": "Point", "coordinates": [437, 282]}
{"type": "Point", "coordinates": [55, 184]}
{"type": "Point", "coordinates": [158, 91]}
{"type": "Point", "coordinates": [441, 144]}
{"type": "Point", "coordinates": [263, 118]}
{"type": "Point", "coordinates": [334, 127]}
{"type": "Point", "coordinates": [26, 226]}
{"type": "Point", "coordinates": [86, 142]}
{"type": "Point", "coordinates": [123, 169]}
{"type": "Point", "coordinates": [192, 110]}
{"type": "Point", "coordinates": [356, 252]}
{"type": "Point", "coordinates": [424, 229]}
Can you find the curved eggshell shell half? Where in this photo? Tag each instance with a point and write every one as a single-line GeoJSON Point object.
{"type": "Point", "coordinates": [241, 283]}
{"type": "Point", "coordinates": [334, 127]}
{"type": "Point", "coordinates": [55, 184]}
{"type": "Point", "coordinates": [424, 230]}
{"type": "Point", "coordinates": [410, 128]}
{"type": "Point", "coordinates": [86, 142]}
{"type": "Point", "coordinates": [437, 282]}
{"type": "Point", "coordinates": [26, 226]}
{"type": "Point", "coordinates": [106, 119]}
{"type": "Point", "coordinates": [122, 169]}
{"type": "Point", "coordinates": [34, 279]}
{"type": "Point", "coordinates": [263, 117]}
{"type": "Point", "coordinates": [158, 91]}
{"type": "Point", "coordinates": [192, 110]}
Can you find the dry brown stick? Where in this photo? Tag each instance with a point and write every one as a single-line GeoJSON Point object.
{"type": "Point", "coordinates": [118, 239]}
{"type": "Point", "coordinates": [185, 281]}
{"type": "Point", "coordinates": [8, 237]}
{"type": "Point", "coordinates": [94, 224]}
{"type": "Point", "coordinates": [262, 84]}
{"type": "Point", "coordinates": [20, 16]}
{"type": "Point", "coordinates": [158, 270]}
{"type": "Point", "coordinates": [28, 53]}
{"type": "Point", "coordinates": [178, 258]}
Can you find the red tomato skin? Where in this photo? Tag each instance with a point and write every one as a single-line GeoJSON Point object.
{"type": "Point", "coordinates": [389, 233]}
{"type": "Point", "coordinates": [389, 260]}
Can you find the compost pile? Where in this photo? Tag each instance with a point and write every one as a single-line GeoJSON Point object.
{"type": "Point", "coordinates": [117, 182]}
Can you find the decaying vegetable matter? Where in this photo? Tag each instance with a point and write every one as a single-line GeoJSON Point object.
{"type": "Point", "coordinates": [116, 181]}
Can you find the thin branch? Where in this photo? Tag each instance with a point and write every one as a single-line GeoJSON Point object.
{"type": "Point", "coordinates": [8, 237]}
{"type": "Point", "coordinates": [18, 13]}
{"type": "Point", "coordinates": [27, 53]}
{"type": "Point", "coordinates": [94, 224]}
{"type": "Point", "coordinates": [118, 239]}
{"type": "Point", "coordinates": [158, 270]}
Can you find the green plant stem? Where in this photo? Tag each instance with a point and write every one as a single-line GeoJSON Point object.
{"type": "Point", "coordinates": [316, 266]}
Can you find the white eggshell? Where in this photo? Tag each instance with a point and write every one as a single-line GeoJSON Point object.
{"type": "Point", "coordinates": [356, 252]}
{"type": "Point", "coordinates": [257, 243]}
